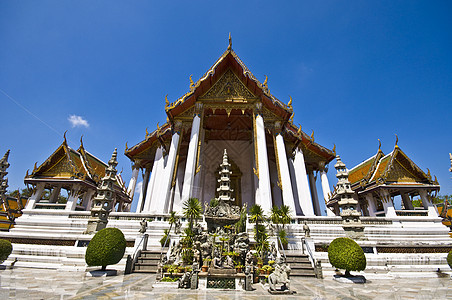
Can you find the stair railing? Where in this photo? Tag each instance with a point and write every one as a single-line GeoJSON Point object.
{"type": "Point", "coordinates": [314, 263]}
{"type": "Point", "coordinates": [131, 261]}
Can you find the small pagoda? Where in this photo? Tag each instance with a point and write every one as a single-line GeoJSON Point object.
{"type": "Point", "coordinates": [104, 199]}
{"type": "Point", "coordinates": [351, 221]}
{"type": "Point", "coordinates": [224, 213]}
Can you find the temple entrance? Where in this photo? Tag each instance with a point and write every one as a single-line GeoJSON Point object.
{"type": "Point", "coordinates": [236, 182]}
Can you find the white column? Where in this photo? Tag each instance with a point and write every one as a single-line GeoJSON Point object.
{"type": "Point", "coordinates": [72, 199]}
{"type": "Point", "coordinates": [371, 205]}
{"type": "Point", "coordinates": [432, 212]}
{"type": "Point", "coordinates": [265, 195]}
{"type": "Point", "coordinates": [151, 184]}
{"type": "Point", "coordinates": [162, 204]}
{"type": "Point", "coordinates": [315, 197]}
{"type": "Point", "coordinates": [53, 198]}
{"type": "Point", "coordinates": [133, 182]}
{"type": "Point", "coordinates": [158, 173]}
{"type": "Point", "coordinates": [326, 191]}
{"type": "Point", "coordinates": [286, 185]}
{"type": "Point", "coordinates": [304, 194]}
{"type": "Point", "coordinates": [388, 205]}
{"type": "Point", "coordinates": [88, 198]}
{"type": "Point", "coordinates": [190, 165]}
{"type": "Point", "coordinates": [406, 201]}
{"type": "Point", "coordinates": [36, 196]}
{"type": "Point", "coordinates": [144, 189]}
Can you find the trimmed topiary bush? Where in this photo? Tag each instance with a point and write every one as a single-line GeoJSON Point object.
{"type": "Point", "coordinates": [345, 253]}
{"type": "Point", "coordinates": [107, 247]}
{"type": "Point", "coordinates": [449, 259]}
{"type": "Point", "coordinates": [5, 250]}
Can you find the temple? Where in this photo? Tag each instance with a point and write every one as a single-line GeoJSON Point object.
{"type": "Point", "coordinates": [379, 179]}
{"type": "Point", "coordinates": [273, 161]}
{"type": "Point", "coordinates": [78, 173]}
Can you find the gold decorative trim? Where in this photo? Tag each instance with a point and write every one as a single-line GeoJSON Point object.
{"type": "Point", "coordinates": [176, 164]}
{"type": "Point", "coordinates": [278, 168]}
{"type": "Point", "coordinates": [256, 157]}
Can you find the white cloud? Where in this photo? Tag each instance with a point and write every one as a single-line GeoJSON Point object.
{"type": "Point", "coordinates": [138, 187]}
{"type": "Point", "coordinates": [78, 121]}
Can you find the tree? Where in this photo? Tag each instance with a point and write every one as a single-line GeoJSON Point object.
{"type": "Point", "coordinates": [192, 210]}
{"type": "Point", "coordinates": [107, 247]}
{"type": "Point", "coordinates": [449, 259]}
{"type": "Point", "coordinates": [5, 250]}
{"type": "Point", "coordinates": [257, 215]}
{"type": "Point", "coordinates": [345, 253]}
{"type": "Point", "coordinates": [173, 218]}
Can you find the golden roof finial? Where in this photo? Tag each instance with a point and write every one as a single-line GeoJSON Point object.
{"type": "Point", "coordinates": [230, 42]}
{"type": "Point", "coordinates": [299, 130]}
{"type": "Point", "coordinates": [334, 149]}
{"type": "Point", "coordinates": [396, 140]}
{"type": "Point", "coordinates": [312, 135]}
{"type": "Point", "coordinates": [291, 118]}
{"type": "Point", "coordinates": [147, 133]}
{"type": "Point", "coordinates": [26, 175]}
{"type": "Point", "coordinates": [158, 127]}
{"type": "Point", "coordinates": [429, 175]}
{"type": "Point", "coordinates": [35, 167]}
{"type": "Point", "coordinates": [379, 145]}
{"type": "Point", "coordinates": [127, 147]}
{"type": "Point", "coordinates": [265, 82]}
{"type": "Point", "coordinates": [166, 101]}
{"type": "Point", "coordinates": [192, 84]}
{"type": "Point", "coordinates": [81, 141]}
{"type": "Point", "coordinates": [290, 103]}
{"type": "Point", "coordinates": [64, 136]}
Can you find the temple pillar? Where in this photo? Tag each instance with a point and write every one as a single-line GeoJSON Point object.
{"type": "Point", "coordinates": [144, 188]}
{"type": "Point", "coordinates": [388, 205]}
{"type": "Point", "coordinates": [36, 196]}
{"type": "Point", "coordinates": [326, 191]}
{"type": "Point", "coordinates": [71, 203]}
{"type": "Point", "coordinates": [163, 204]}
{"type": "Point", "coordinates": [285, 183]}
{"type": "Point", "coordinates": [371, 208]}
{"type": "Point", "coordinates": [264, 195]}
{"type": "Point", "coordinates": [133, 181]}
{"type": "Point", "coordinates": [304, 194]}
{"type": "Point", "coordinates": [406, 201]}
{"type": "Point", "coordinates": [154, 175]}
{"type": "Point", "coordinates": [315, 197]}
{"type": "Point", "coordinates": [88, 199]}
{"type": "Point", "coordinates": [53, 198]}
{"type": "Point", "coordinates": [428, 205]}
{"type": "Point", "coordinates": [190, 166]}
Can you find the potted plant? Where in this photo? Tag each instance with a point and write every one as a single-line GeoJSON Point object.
{"type": "Point", "coordinates": [206, 264]}
{"type": "Point", "coordinates": [239, 267]}
{"type": "Point", "coordinates": [260, 263]}
{"type": "Point", "coordinates": [267, 269]}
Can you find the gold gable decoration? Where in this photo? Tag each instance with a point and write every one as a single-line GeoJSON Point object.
{"type": "Point", "coordinates": [228, 87]}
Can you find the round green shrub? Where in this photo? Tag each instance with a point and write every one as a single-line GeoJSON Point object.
{"type": "Point", "coordinates": [345, 253]}
{"type": "Point", "coordinates": [449, 259]}
{"type": "Point", "coordinates": [5, 250]}
{"type": "Point", "coordinates": [107, 247]}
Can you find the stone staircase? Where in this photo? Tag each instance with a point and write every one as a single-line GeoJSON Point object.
{"type": "Point", "coordinates": [147, 262]}
{"type": "Point", "coordinates": [300, 265]}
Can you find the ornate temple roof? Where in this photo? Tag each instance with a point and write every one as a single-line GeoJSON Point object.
{"type": "Point", "coordinates": [395, 169]}
{"type": "Point", "coordinates": [228, 84]}
{"type": "Point", "coordinates": [67, 166]}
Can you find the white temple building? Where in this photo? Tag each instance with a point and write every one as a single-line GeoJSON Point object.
{"type": "Point", "coordinates": [273, 161]}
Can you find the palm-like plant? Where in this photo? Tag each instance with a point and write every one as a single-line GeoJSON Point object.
{"type": "Point", "coordinates": [172, 220]}
{"type": "Point", "coordinates": [192, 210]}
{"type": "Point", "coordinates": [285, 215]}
{"type": "Point", "coordinates": [257, 215]}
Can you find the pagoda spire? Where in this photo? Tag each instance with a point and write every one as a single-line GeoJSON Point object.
{"type": "Point", "coordinates": [3, 181]}
{"type": "Point", "coordinates": [347, 204]}
{"type": "Point", "coordinates": [105, 197]}
{"type": "Point", "coordinates": [230, 42]}
{"type": "Point", "coordinates": [224, 190]}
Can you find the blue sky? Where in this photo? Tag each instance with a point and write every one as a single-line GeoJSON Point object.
{"type": "Point", "coordinates": [358, 71]}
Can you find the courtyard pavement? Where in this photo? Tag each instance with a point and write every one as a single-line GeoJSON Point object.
{"type": "Point", "coordinates": [24, 283]}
